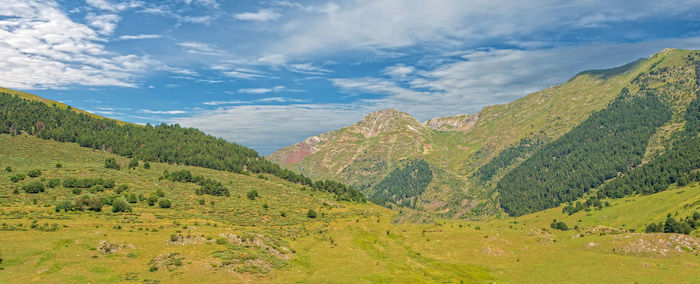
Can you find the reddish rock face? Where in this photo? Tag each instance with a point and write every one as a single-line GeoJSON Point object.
{"type": "Point", "coordinates": [300, 152]}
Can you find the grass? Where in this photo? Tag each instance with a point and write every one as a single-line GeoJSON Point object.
{"type": "Point", "coordinates": [346, 243]}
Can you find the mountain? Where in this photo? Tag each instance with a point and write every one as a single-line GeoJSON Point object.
{"type": "Point", "coordinates": [469, 154]}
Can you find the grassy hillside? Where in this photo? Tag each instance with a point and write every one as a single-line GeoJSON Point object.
{"type": "Point", "coordinates": [236, 239]}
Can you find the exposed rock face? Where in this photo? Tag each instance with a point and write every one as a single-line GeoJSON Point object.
{"type": "Point", "coordinates": [460, 122]}
{"type": "Point", "coordinates": [387, 120]}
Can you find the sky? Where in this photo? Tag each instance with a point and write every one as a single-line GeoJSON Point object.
{"type": "Point", "coordinates": [266, 74]}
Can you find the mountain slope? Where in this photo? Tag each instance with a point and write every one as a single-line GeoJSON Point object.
{"type": "Point", "coordinates": [456, 147]}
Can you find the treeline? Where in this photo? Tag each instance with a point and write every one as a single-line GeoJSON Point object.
{"type": "Point", "coordinates": [341, 191]}
{"type": "Point", "coordinates": [403, 184]}
{"type": "Point", "coordinates": [676, 165]}
{"type": "Point", "coordinates": [609, 142]}
{"type": "Point", "coordinates": [671, 225]}
{"type": "Point", "coordinates": [510, 155]}
{"type": "Point", "coordinates": [162, 143]}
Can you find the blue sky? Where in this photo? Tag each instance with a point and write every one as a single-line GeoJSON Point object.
{"type": "Point", "coordinates": [271, 73]}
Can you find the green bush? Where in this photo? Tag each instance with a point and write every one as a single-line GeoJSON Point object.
{"type": "Point", "coordinates": [132, 198]}
{"type": "Point", "coordinates": [65, 205]}
{"type": "Point", "coordinates": [111, 163]}
{"type": "Point", "coordinates": [151, 200]}
{"type": "Point", "coordinates": [77, 191]}
{"type": "Point", "coordinates": [34, 173]}
{"type": "Point", "coordinates": [121, 188]}
{"type": "Point", "coordinates": [54, 182]}
{"type": "Point", "coordinates": [160, 193]}
{"type": "Point", "coordinates": [146, 165]}
{"type": "Point", "coordinates": [59, 165]}
{"type": "Point", "coordinates": [311, 214]}
{"type": "Point", "coordinates": [8, 169]}
{"type": "Point", "coordinates": [120, 205]}
{"type": "Point", "coordinates": [252, 194]}
{"type": "Point", "coordinates": [164, 203]}
{"type": "Point", "coordinates": [559, 225]}
{"type": "Point", "coordinates": [34, 187]}
{"type": "Point", "coordinates": [17, 177]}
{"type": "Point", "coordinates": [134, 163]}
{"type": "Point", "coordinates": [89, 202]}
{"type": "Point", "coordinates": [97, 188]}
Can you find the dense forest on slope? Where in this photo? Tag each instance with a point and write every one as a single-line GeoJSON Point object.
{"type": "Point", "coordinates": [509, 156]}
{"type": "Point", "coordinates": [676, 165]}
{"type": "Point", "coordinates": [162, 143]}
{"type": "Point", "coordinates": [610, 141]}
{"type": "Point", "coordinates": [403, 184]}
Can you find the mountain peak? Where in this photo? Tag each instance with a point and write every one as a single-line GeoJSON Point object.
{"type": "Point", "coordinates": [386, 120]}
{"type": "Point", "coordinates": [460, 122]}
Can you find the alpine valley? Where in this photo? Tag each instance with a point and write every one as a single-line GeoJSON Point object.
{"type": "Point", "coordinates": [592, 180]}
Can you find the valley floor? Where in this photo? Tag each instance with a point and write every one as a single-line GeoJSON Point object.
{"type": "Point", "coordinates": [271, 239]}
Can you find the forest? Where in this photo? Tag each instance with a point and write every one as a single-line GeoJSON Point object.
{"type": "Point", "coordinates": [162, 143]}
{"type": "Point", "coordinates": [403, 184]}
{"type": "Point", "coordinates": [609, 142]}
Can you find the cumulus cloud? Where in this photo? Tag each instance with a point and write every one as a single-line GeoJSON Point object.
{"type": "Point", "coordinates": [262, 15]}
{"type": "Point", "coordinates": [43, 48]}
{"type": "Point", "coordinates": [105, 24]}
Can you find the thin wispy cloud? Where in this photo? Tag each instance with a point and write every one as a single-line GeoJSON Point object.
{"type": "Point", "coordinates": [262, 15]}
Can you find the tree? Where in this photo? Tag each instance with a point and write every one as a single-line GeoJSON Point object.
{"type": "Point", "coordinates": [65, 205]}
{"type": "Point", "coordinates": [34, 187]}
{"type": "Point", "coordinates": [34, 173]}
{"type": "Point", "coordinates": [164, 203]}
{"type": "Point", "coordinates": [120, 205]}
{"type": "Point", "coordinates": [54, 182]}
{"type": "Point", "coordinates": [111, 163]}
{"type": "Point", "coordinates": [134, 163]}
{"type": "Point", "coordinates": [252, 194]}
{"type": "Point", "coordinates": [311, 214]}
{"type": "Point", "coordinates": [17, 177]}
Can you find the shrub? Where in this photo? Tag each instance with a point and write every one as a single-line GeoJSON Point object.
{"type": "Point", "coordinates": [97, 188]}
{"type": "Point", "coordinates": [132, 198]}
{"type": "Point", "coordinates": [17, 177]}
{"type": "Point", "coordinates": [77, 191]}
{"type": "Point", "coordinates": [559, 225]}
{"type": "Point", "coordinates": [111, 163]}
{"type": "Point", "coordinates": [164, 203]}
{"type": "Point", "coordinates": [120, 205]}
{"type": "Point", "coordinates": [283, 214]}
{"type": "Point", "coordinates": [146, 165]}
{"type": "Point", "coordinates": [202, 201]}
{"type": "Point", "coordinates": [34, 187]}
{"type": "Point", "coordinates": [59, 165]}
{"type": "Point", "coordinates": [134, 163]}
{"type": "Point", "coordinates": [151, 200]}
{"type": "Point", "coordinates": [311, 214]}
{"type": "Point", "coordinates": [65, 205]}
{"type": "Point", "coordinates": [121, 188]}
{"type": "Point", "coordinates": [34, 173]}
{"type": "Point", "coordinates": [108, 183]}
{"type": "Point", "coordinates": [8, 169]}
{"type": "Point", "coordinates": [160, 193]}
{"type": "Point", "coordinates": [252, 194]}
{"type": "Point", "coordinates": [54, 182]}
{"type": "Point", "coordinates": [265, 206]}
{"type": "Point", "coordinates": [89, 202]}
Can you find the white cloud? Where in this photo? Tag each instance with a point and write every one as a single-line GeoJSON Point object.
{"type": "Point", "coordinates": [114, 7]}
{"type": "Point", "coordinates": [141, 36]}
{"type": "Point", "coordinates": [399, 71]}
{"type": "Point", "coordinates": [385, 25]}
{"type": "Point", "coordinates": [255, 91]}
{"type": "Point", "coordinates": [262, 15]}
{"type": "Point", "coordinates": [280, 100]}
{"type": "Point", "coordinates": [216, 103]}
{"type": "Point", "coordinates": [106, 24]}
{"type": "Point", "coordinates": [307, 68]}
{"type": "Point", "coordinates": [200, 48]}
{"type": "Point", "coordinates": [42, 48]}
